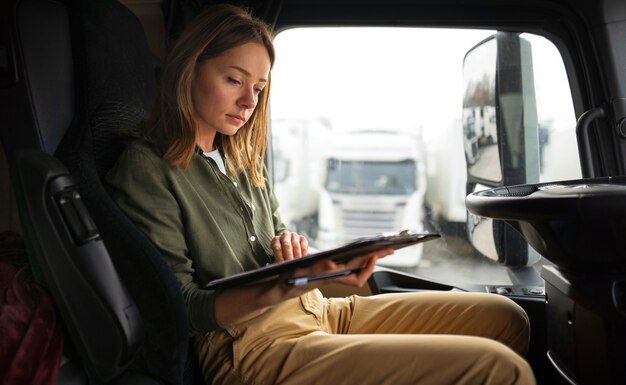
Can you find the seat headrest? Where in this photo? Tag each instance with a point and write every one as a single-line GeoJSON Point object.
{"type": "Point", "coordinates": [39, 79]}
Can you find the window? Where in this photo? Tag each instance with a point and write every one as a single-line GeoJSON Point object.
{"type": "Point", "coordinates": [364, 177]}
{"type": "Point", "coordinates": [369, 135]}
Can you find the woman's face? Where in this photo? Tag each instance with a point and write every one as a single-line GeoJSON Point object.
{"type": "Point", "coordinates": [226, 90]}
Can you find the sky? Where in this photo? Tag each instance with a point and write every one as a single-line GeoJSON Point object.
{"type": "Point", "coordinates": [393, 77]}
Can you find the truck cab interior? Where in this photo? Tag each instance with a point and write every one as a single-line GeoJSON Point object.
{"type": "Point", "coordinates": [517, 109]}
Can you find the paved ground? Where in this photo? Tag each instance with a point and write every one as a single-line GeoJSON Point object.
{"type": "Point", "coordinates": [451, 259]}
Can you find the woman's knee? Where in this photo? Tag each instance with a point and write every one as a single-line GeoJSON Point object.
{"type": "Point", "coordinates": [512, 324]}
{"type": "Point", "coordinates": [500, 365]}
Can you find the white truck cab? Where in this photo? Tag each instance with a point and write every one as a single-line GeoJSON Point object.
{"type": "Point", "coordinates": [374, 182]}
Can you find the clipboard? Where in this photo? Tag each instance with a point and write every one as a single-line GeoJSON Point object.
{"type": "Point", "coordinates": [340, 254]}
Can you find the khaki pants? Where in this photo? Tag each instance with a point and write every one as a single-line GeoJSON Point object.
{"type": "Point", "coordinates": [396, 339]}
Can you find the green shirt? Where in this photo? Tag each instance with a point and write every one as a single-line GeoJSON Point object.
{"type": "Point", "coordinates": [206, 224]}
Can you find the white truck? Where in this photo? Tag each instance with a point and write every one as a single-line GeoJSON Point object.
{"type": "Point", "coordinates": [373, 182]}
{"type": "Point", "coordinates": [479, 129]}
{"type": "Point", "coordinates": [297, 148]}
{"type": "Point", "coordinates": [446, 176]}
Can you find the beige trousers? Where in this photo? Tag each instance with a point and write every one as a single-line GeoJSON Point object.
{"type": "Point", "coordinates": [395, 339]}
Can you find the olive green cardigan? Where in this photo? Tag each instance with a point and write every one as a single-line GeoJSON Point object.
{"type": "Point", "coordinates": [206, 224]}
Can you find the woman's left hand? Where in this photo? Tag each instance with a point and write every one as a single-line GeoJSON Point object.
{"type": "Point", "coordinates": [289, 245]}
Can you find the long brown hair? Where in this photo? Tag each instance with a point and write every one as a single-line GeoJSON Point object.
{"type": "Point", "coordinates": [171, 128]}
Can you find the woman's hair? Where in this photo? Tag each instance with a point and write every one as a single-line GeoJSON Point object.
{"type": "Point", "coordinates": [171, 128]}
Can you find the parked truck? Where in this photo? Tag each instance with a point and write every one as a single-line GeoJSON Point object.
{"type": "Point", "coordinates": [373, 182]}
{"type": "Point", "coordinates": [298, 147]}
{"type": "Point", "coordinates": [446, 176]}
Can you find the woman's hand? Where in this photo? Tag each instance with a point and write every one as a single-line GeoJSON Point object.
{"type": "Point", "coordinates": [253, 297]}
{"type": "Point", "coordinates": [281, 290]}
{"type": "Point", "coordinates": [289, 245]}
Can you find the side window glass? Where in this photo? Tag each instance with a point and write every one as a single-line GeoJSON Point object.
{"type": "Point", "coordinates": [558, 150]}
{"type": "Point", "coordinates": [370, 134]}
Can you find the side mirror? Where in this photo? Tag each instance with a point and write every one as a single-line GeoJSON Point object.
{"type": "Point", "coordinates": [500, 135]}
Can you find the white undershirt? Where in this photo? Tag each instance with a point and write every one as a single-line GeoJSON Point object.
{"type": "Point", "coordinates": [217, 157]}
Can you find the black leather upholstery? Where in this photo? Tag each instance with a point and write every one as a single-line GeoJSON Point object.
{"type": "Point", "coordinates": [84, 73]}
{"type": "Point", "coordinates": [116, 74]}
{"type": "Point", "coordinates": [38, 91]}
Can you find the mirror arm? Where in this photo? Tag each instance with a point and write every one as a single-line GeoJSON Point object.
{"type": "Point", "coordinates": [583, 136]}
{"type": "Point", "coordinates": [527, 275]}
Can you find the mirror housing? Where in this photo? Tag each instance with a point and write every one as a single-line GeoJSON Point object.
{"type": "Point", "coordinates": [500, 134]}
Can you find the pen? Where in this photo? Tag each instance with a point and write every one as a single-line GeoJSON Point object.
{"type": "Point", "coordinates": [299, 281]}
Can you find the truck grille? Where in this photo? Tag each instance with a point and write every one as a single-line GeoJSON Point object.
{"type": "Point", "coordinates": [362, 223]}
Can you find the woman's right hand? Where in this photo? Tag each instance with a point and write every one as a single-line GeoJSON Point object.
{"type": "Point", "coordinates": [289, 245]}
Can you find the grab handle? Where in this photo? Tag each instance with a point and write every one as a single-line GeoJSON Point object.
{"type": "Point", "coordinates": [583, 137]}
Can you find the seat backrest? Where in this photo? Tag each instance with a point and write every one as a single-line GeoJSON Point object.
{"type": "Point", "coordinates": [117, 84]}
{"type": "Point", "coordinates": [110, 86]}
{"type": "Point", "coordinates": [66, 251]}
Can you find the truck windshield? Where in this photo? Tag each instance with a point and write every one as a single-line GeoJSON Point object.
{"type": "Point", "coordinates": [371, 178]}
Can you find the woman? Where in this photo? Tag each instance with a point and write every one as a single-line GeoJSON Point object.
{"type": "Point", "coordinates": [194, 182]}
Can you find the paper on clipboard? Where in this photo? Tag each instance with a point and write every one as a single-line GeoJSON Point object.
{"type": "Point", "coordinates": [340, 254]}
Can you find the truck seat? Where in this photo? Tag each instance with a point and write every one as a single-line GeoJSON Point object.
{"type": "Point", "coordinates": [79, 72]}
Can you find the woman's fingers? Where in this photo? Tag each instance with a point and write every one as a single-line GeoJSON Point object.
{"type": "Point", "coordinates": [294, 240]}
{"type": "Point", "coordinates": [365, 263]}
{"type": "Point", "coordinates": [285, 244]}
{"type": "Point", "coordinates": [277, 248]}
{"type": "Point", "coordinates": [366, 259]}
{"type": "Point", "coordinates": [304, 245]}
{"type": "Point", "coordinates": [366, 271]}
{"type": "Point", "coordinates": [289, 245]}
